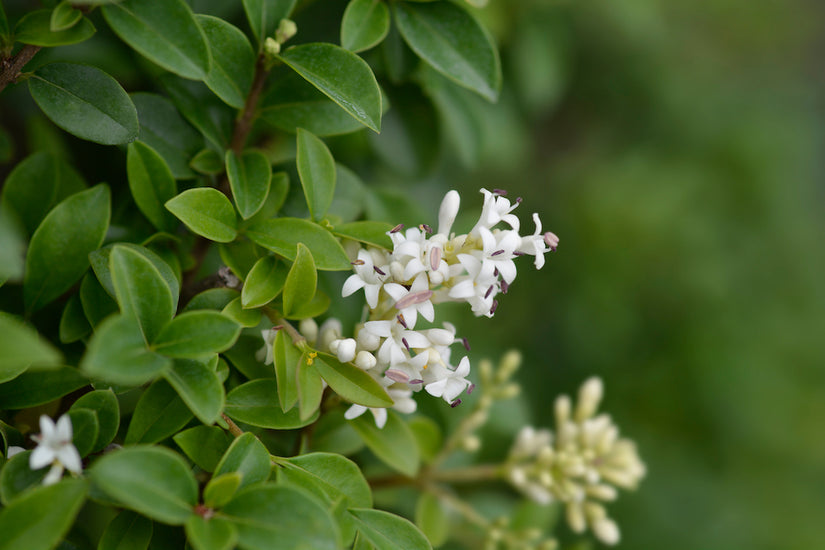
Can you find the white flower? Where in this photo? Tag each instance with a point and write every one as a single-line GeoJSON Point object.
{"type": "Point", "coordinates": [367, 276]}
{"type": "Point", "coordinates": [498, 249]}
{"type": "Point", "coordinates": [450, 383]}
{"type": "Point", "coordinates": [495, 209]}
{"type": "Point", "coordinates": [54, 446]}
{"type": "Point", "coordinates": [538, 243]}
{"type": "Point", "coordinates": [479, 287]}
{"type": "Point", "coordinates": [410, 302]}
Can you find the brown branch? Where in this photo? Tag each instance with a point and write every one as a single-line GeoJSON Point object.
{"type": "Point", "coordinates": [10, 67]}
{"type": "Point", "coordinates": [233, 428]}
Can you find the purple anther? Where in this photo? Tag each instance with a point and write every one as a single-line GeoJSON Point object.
{"type": "Point", "coordinates": [276, 328]}
{"type": "Point", "coordinates": [414, 298]}
{"type": "Point", "coordinates": [397, 228]}
{"type": "Point", "coordinates": [494, 308]}
{"type": "Point", "coordinates": [435, 258]}
{"type": "Point", "coordinates": [505, 286]}
{"type": "Point", "coordinates": [455, 403]}
{"type": "Point", "coordinates": [406, 344]}
{"type": "Point", "coordinates": [425, 228]}
{"type": "Point", "coordinates": [378, 270]}
{"type": "Point", "coordinates": [416, 381]}
{"type": "Point", "coordinates": [517, 253]}
{"type": "Point", "coordinates": [357, 262]}
{"type": "Point", "coordinates": [470, 388]}
{"type": "Point", "coordinates": [466, 343]}
{"type": "Point", "coordinates": [501, 192]}
{"type": "Point", "coordinates": [518, 200]}
{"type": "Point", "coordinates": [497, 252]}
{"type": "Point", "coordinates": [495, 272]}
{"type": "Point", "coordinates": [489, 291]}
{"type": "Point", "coordinates": [401, 320]}
{"type": "Point", "coordinates": [397, 376]}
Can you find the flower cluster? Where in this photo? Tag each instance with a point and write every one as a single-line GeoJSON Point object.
{"type": "Point", "coordinates": [425, 268]}
{"type": "Point", "coordinates": [580, 467]}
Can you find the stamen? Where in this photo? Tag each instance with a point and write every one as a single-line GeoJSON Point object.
{"type": "Point", "coordinates": [401, 320]}
{"type": "Point", "coordinates": [518, 200]}
{"type": "Point", "coordinates": [489, 291]}
{"type": "Point", "coordinates": [466, 343]}
{"type": "Point", "coordinates": [416, 381]}
{"type": "Point", "coordinates": [397, 375]}
{"type": "Point", "coordinates": [501, 192]}
{"type": "Point", "coordinates": [551, 240]}
{"type": "Point", "coordinates": [397, 228]}
{"type": "Point", "coordinates": [435, 258]}
{"type": "Point", "coordinates": [425, 228]}
{"type": "Point", "coordinates": [497, 252]}
{"type": "Point", "coordinates": [495, 272]}
{"type": "Point", "coordinates": [455, 403]}
{"type": "Point", "coordinates": [406, 344]}
{"type": "Point", "coordinates": [494, 308]}
{"type": "Point", "coordinates": [357, 262]}
{"type": "Point", "coordinates": [414, 298]}
{"type": "Point", "coordinates": [471, 388]}
{"type": "Point", "coordinates": [505, 286]}
{"type": "Point", "coordinates": [517, 253]}
{"type": "Point", "coordinates": [378, 270]}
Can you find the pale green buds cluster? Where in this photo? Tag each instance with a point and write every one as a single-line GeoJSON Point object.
{"type": "Point", "coordinates": [272, 45]}
{"type": "Point", "coordinates": [581, 465]}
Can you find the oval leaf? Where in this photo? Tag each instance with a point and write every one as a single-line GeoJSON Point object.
{"type": "Point", "coordinates": [339, 476]}
{"type": "Point", "coordinates": [127, 531]}
{"type": "Point", "coordinates": [86, 102]}
{"type": "Point", "coordinates": [432, 518]}
{"type": "Point", "coordinates": [372, 233]}
{"type": "Point", "coordinates": [164, 130]}
{"type": "Point", "coordinates": [316, 170]}
{"type": "Point", "coordinates": [211, 534]}
{"type": "Point", "coordinates": [85, 429]}
{"type": "Point", "coordinates": [159, 413]}
{"type": "Point", "coordinates": [247, 456]}
{"type": "Point", "coordinates": [264, 15]}
{"type": "Point", "coordinates": [352, 383]}
{"type": "Point", "coordinates": [310, 388]}
{"type": "Point", "coordinates": [64, 16]}
{"type": "Point", "coordinates": [282, 236]}
{"type": "Point", "coordinates": [249, 177]}
{"type": "Point", "coordinates": [207, 212]}
{"type": "Point", "coordinates": [106, 406]}
{"type": "Point", "coordinates": [233, 60]}
{"type": "Point", "coordinates": [35, 28]}
{"type": "Point", "coordinates": [196, 334]}
{"type": "Point", "coordinates": [343, 76]}
{"type": "Point", "coordinates": [288, 360]}
{"type": "Point", "coordinates": [22, 346]}
{"type": "Point", "coordinates": [390, 532]}
{"type": "Point", "coordinates": [39, 519]}
{"type": "Point", "coordinates": [301, 280]}
{"type": "Point", "coordinates": [199, 387]}
{"type": "Point", "coordinates": [152, 184]}
{"type": "Point", "coordinates": [204, 445]}
{"type": "Point", "coordinates": [36, 388]}
{"type": "Point", "coordinates": [256, 403]}
{"type": "Point", "coordinates": [365, 24]}
{"type": "Point", "coordinates": [394, 444]}
{"type": "Point", "coordinates": [248, 318]}
{"type": "Point", "coordinates": [263, 283]}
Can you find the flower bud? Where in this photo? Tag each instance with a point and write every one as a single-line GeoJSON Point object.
{"type": "Point", "coordinates": [286, 30]}
{"type": "Point", "coordinates": [448, 211]}
{"type": "Point", "coordinates": [364, 360]}
{"type": "Point", "coordinates": [308, 329]}
{"type": "Point", "coordinates": [346, 350]}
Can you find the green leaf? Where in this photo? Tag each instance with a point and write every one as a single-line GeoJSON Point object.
{"type": "Point", "coordinates": [12, 246]}
{"type": "Point", "coordinates": [36, 388]}
{"type": "Point", "coordinates": [233, 60]}
{"type": "Point", "coordinates": [39, 519]}
{"type": "Point", "coordinates": [334, 433]}
{"type": "Point", "coordinates": [207, 161]}
{"type": "Point", "coordinates": [221, 489]}
{"type": "Point", "coordinates": [365, 24]}
{"type": "Point", "coordinates": [247, 456]}
{"type": "Point", "coordinates": [455, 108]}
{"type": "Point", "coordinates": [117, 353]}
{"type": "Point", "coordinates": [255, 403]}
{"type": "Point", "coordinates": [141, 291]}
{"type": "Point", "coordinates": [282, 236]}
{"type": "Point", "coordinates": [301, 280]}
{"type": "Point", "coordinates": [85, 429]}
{"type": "Point", "coordinates": [166, 33]}
{"type": "Point", "coordinates": [450, 40]}
{"type": "Point", "coordinates": [105, 405]}
{"type": "Point", "coordinates": [350, 195]}
{"type": "Point", "coordinates": [86, 102]}
{"type": "Point", "coordinates": [73, 322]}
{"type": "Point", "coordinates": [35, 28]}
{"type": "Point", "coordinates": [337, 475]}
{"type": "Point", "coordinates": [342, 76]}
{"type": "Point", "coordinates": [199, 387]}
{"type": "Point", "coordinates": [59, 249]}
{"type": "Point", "coordinates": [4, 26]}
{"type": "Point", "coordinates": [288, 361]}
{"type": "Point", "coordinates": [432, 518]}
{"type": "Point", "coordinates": [159, 413]}
{"type": "Point", "coordinates": [239, 256]}
{"type": "Point", "coordinates": [204, 445]}
{"type": "Point", "coordinates": [352, 383]}
{"type": "Point", "coordinates": [213, 298]}
{"type": "Point", "coordinates": [316, 170]}
{"type": "Point", "coordinates": [101, 264]}
{"type": "Point", "coordinates": [272, 516]}
{"type": "Point", "coordinates": [394, 444]}
{"type": "Point", "coordinates": [264, 282]}
{"type": "Point", "coordinates": [315, 307]}
{"type": "Point", "coordinates": [310, 389]}
{"type": "Point", "coordinates": [248, 318]}
{"type": "Point", "coordinates": [152, 481]}
{"type": "Point", "coordinates": [243, 357]}
{"type": "Point", "coordinates": [249, 177]}
{"type": "Point", "coordinates": [152, 184]}
{"type": "Point", "coordinates": [97, 303]}
{"type": "Point", "coordinates": [64, 16]}
{"type": "Point", "coordinates": [372, 233]}
{"type": "Point", "coordinates": [427, 435]}
{"type": "Point", "coordinates": [264, 15]}
{"type": "Point", "coordinates": [202, 108]}
{"type": "Point", "coordinates": [207, 212]}
{"type": "Point", "coordinates": [127, 531]}
{"type": "Point", "coordinates": [210, 534]}
{"type": "Point", "coordinates": [196, 334]}
{"type": "Point", "coordinates": [16, 477]}
{"type": "Point", "coordinates": [277, 195]}
{"type": "Point", "coordinates": [164, 130]}
{"type": "Point", "coordinates": [390, 532]}
{"type": "Point", "coordinates": [22, 346]}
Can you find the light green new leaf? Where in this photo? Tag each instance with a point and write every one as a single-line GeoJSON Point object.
{"type": "Point", "coordinates": [352, 383]}
{"type": "Point", "coordinates": [264, 282]}
{"type": "Point", "coordinates": [86, 102]}
{"type": "Point", "coordinates": [248, 318]}
{"type": "Point", "coordinates": [152, 184]}
{"type": "Point", "coordinates": [270, 517]}
{"type": "Point", "coordinates": [36, 388]}
{"type": "Point", "coordinates": [117, 353]}
{"type": "Point", "coordinates": [207, 212]}
{"type": "Point", "coordinates": [164, 130]}
{"type": "Point", "coordinates": [211, 534]}
{"type": "Point", "coordinates": [282, 235]}
{"type": "Point", "coordinates": [449, 39]}
{"type": "Point", "coordinates": [365, 24]}
{"type": "Point", "coordinates": [287, 360]}
{"type": "Point", "coordinates": [310, 388]}
{"type": "Point", "coordinates": [394, 444]}
{"type": "Point", "coordinates": [39, 519]}
{"type": "Point", "coordinates": [249, 176]}
{"type": "Point", "coordinates": [264, 15]}
{"type": "Point", "coordinates": [213, 298]}
{"type": "Point", "coordinates": [106, 406]}
{"type": "Point", "coordinates": [35, 28]}
{"type": "Point", "coordinates": [233, 60]}
{"type": "Point", "coordinates": [141, 291]}
{"type": "Point", "coordinates": [299, 287]}
{"type": "Point", "coordinates": [164, 32]}
{"type": "Point", "coordinates": [221, 489]}
{"type": "Point", "coordinates": [196, 334]}
{"type": "Point", "coordinates": [159, 413]}
{"type": "Point", "coordinates": [432, 518]}
{"type": "Point", "coordinates": [199, 387]}
{"type": "Point", "coordinates": [204, 445]}
{"type": "Point", "coordinates": [59, 249]}
{"type": "Point", "coordinates": [247, 456]}
{"type": "Point", "coordinates": [22, 346]}
{"type": "Point", "coordinates": [316, 170]}
{"type": "Point", "coordinates": [127, 531]}
{"type": "Point", "coordinates": [153, 481]}
{"type": "Point", "coordinates": [337, 475]}
{"type": "Point", "coordinates": [64, 16]}
{"type": "Point", "coordinates": [343, 76]}
{"type": "Point", "coordinates": [390, 532]}
{"type": "Point", "coordinates": [315, 307]}
{"type": "Point", "coordinates": [256, 403]}
{"type": "Point", "coordinates": [372, 233]}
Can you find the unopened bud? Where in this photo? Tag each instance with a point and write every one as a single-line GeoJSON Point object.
{"type": "Point", "coordinates": [309, 329]}
{"type": "Point", "coordinates": [271, 47]}
{"type": "Point", "coordinates": [346, 350]}
{"type": "Point", "coordinates": [286, 30]}
{"type": "Point", "coordinates": [471, 443]}
{"type": "Point", "coordinates": [365, 360]}
{"type": "Point", "coordinates": [590, 395]}
{"type": "Point", "coordinates": [508, 365]}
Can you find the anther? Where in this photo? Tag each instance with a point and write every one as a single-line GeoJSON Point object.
{"type": "Point", "coordinates": [416, 381]}
{"type": "Point", "coordinates": [505, 286]}
{"type": "Point", "coordinates": [378, 270]}
{"type": "Point", "coordinates": [397, 228]}
{"type": "Point", "coordinates": [455, 403]}
{"type": "Point", "coordinates": [494, 308]}
{"type": "Point", "coordinates": [517, 253]}
{"type": "Point", "coordinates": [401, 320]}
{"type": "Point", "coordinates": [357, 262]}
{"type": "Point", "coordinates": [471, 388]}
{"type": "Point", "coordinates": [397, 376]}
{"type": "Point", "coordinates": [406, 344]}
{"type": "Point", "coordinates": [518, 200]}
{"type": "Point", "coordinates": [497, 252]}
{"type": "Point", "coordinates": [425, 228]}
{"type": "Point", "coordinates": [435, 258]}
{"type": "Point", "coordinates": [501, 192]}
{"type": "Point", "coordinates": [489, 291]}
{"type": "Point", "coordinates": [466, 343]}
{"type": "Point", "coordinates": [414, 298]}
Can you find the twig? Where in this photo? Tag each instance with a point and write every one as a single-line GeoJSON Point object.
{"type": "Point", "coordinates": [233, 428]}
{"type": "Point", "coordinates": [10, 67]}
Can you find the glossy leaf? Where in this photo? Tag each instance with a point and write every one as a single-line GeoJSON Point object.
{"type": "Point", "coordinates": [207, 161]}
{"type": "Point", "coordinates": [152, 481]}
{"type": "Point", "coordinates": [255, 403]}
{"type": "Point", "coordinates": [195, 334]}
{"type": "Point", "coordinates": [97, 303]}
{"type": "Point", "coordinates": [152, 184]}
{"type": "Point", "coordinates": [202, 108]}
{"type": "Point", "coordinates": [64, 16]}
{"type": "Point", "coordinates": [213, 298]}
{"type": "Point", "coordinates": [315, 307]}
{"type": "Point", "coordinates": [390, 532]}
{"type": "Point", "coordinates": [207, 212]}
{"type": "Point", "coordinates": [243, 356]}
{"type": "Point", "coordinates": [35, 28]}
{"type": "Point", "coordinates": [288, 360]}
{"type": "Point", "coordinates": [249, 176]}
{"type": "Point", "coordinates": [101, 264]}
{"type": "Point", "coordinates": [264, 282]}
{"type": "Point", "coordinates": [352, 383]}
{"type": "Point", "coordinates": [36, 388]}
{"type": "Point", "coordinates": [17, 477]}
{"type": "Point", "coordinates": [199, 387]}
{"type": "Point", "coordinates": [159, 413]}
{"type": "Point", "coordinates": [22, 346]}
{"type": "Point", "coordinates": [299, 287]}
{"type": "Point", "coordinates": [59, 249]}
{"type": "Point", "coordinates": [247, 456]}
{"type": "Point", "coordinates": [264, 15]}
{"type": "Point", "coordinates": [73, 322]}
{"type": "Point", "coordinates": [365, 24]}
{"type": "Point", "coordinates": [117, 353]}
{"type": "Point", "coordinates": [278, 190]}
{"type": "Point", "coordinates": [342, 76]}
{"type": "Point", "coordinates": [106, 406]}
{"type": "Point", "coordinates": [164, 130]}
{"type": "Point", "coordinates": [316, 170]}
{"type": "Point", "coordinates": [12, 245]}
{"type": "Point", "coordinates": [85, 429]}
{"type": "Point", "coordinates": [86, 102]}
{"type": "Point", "coordinates": [127, 531]}
{"type": "Point", "coordinates": [204, 445]}
{"type": "Point", "coordinates": [211, 534]}
{"type": "Point", "coordinates": [282, 236]}
{"type": "Point", "coordinates": [248, 318]}
{"type": "Point", "coordinates": [166, 33]}
{"type": "Point", "coordinates": [233, 60]}
{"type": "Point", "coordinates": [394, 444]}
{"type": "Point", "coordinates": [39, 519]}
{"type": "Point", "coordinates": [221, 489]}
{"type": "Point", "coordinates": [310, 389]}
{"type": "Point", "coordinates": [337, 475]}
{"type": "Point", "coordinates": [368, 232]}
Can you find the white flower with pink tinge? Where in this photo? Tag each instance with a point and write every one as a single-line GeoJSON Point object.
{"type": "Point", "coordinates": [54, 446]}
{"type": "Point", "coordinates": [367, 276]}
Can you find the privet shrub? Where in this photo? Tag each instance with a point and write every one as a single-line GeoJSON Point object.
{"type": "Point", "coordinates": [170, 374]}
